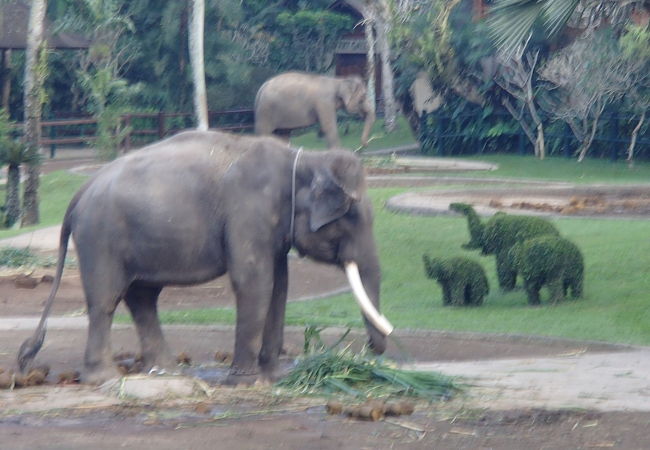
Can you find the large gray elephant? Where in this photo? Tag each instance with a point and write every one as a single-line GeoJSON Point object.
{"type": "Point", "coordinates": [197, 205]}
{"type": "Point", "coordinates": [295, 100]}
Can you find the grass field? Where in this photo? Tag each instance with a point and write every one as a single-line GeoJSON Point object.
{"type": "Point", "coordinates": [616, 305]}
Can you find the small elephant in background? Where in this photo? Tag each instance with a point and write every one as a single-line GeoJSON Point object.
{"type": "Point", "coordinates": [463, 280]}
{"type": "Point", "coordinates": [549, 261]}
{"type": "Point", "coordinates": [498, 234]}
{"type": "Point", "coordinates": [296, 100]}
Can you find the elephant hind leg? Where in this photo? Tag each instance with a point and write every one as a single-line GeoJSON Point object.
{"type": "Point", "coordinates": [142, 302]}
{"type": "Point", "coordinates": [103, 293]}
{"type": "Point", "coordinates": [532, 290]}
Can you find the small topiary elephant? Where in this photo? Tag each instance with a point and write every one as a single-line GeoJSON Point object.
{"type": "Point", "coordinates": [552, 261]}
{"type": "Point", "coordinates": [463, 280]}
{"type": "Point", "coordinates": [498, 234]}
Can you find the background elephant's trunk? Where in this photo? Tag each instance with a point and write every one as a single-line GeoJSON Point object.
{"type": "Point", "coordinates": [365, 287]}
{"type": "Point", "coordinates": [367, 125]}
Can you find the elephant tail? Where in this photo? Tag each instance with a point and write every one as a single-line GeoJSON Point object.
{"type": "Point", "coordinates": [30, 347]}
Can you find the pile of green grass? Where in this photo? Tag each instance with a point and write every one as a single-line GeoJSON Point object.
{"type": "Point", "coordinates": [337, 369]}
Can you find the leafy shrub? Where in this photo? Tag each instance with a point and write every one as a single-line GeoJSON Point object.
{"type": "Point", "coordinates": [549, 261]}
{"type": "Point", "coordinates": [499, 233]}
{"type": "Point", "coordinates": [463, 280]}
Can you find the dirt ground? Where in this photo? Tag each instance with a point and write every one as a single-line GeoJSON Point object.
{"type": "Point", "coordinates": [254, 418]}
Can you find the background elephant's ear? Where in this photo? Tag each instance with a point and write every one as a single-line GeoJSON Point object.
{"type": "Point", "coordinates": [350, 89]}
{"type": "Point", "coordinates": [328, 200]}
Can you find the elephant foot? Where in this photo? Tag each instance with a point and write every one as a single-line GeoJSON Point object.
{"type": "Point", "coordinates": [160, 363]}
{"type": "Point", "coordinates": [100, 375]}
{"type": "Point", "coordinates": [241, 377]}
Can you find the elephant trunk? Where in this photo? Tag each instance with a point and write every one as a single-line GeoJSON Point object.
{"type": "Point", "coordinates": [432, 267]}
{"type": "Point", "coordinates": [367, 125]}
{"type": "Point", "coordinates": [473, 224]}
{"type": "Point", "coordinates": [364, 282]}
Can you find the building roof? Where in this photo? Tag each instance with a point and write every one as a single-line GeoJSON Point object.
{"type": "Point", "coordinates": [14, 17]}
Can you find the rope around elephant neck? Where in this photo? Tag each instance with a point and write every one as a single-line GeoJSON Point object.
{"type": "Point", "coordinates": [293, 195]}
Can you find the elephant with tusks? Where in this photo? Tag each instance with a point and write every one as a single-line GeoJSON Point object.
{"type": "Point", "coordinates": [201, 204]}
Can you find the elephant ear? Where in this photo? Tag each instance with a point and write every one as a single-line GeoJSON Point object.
{"type": "Point", "coordinates": [348, 89]}
{"type": "Point", "coordinates": [333, 189]}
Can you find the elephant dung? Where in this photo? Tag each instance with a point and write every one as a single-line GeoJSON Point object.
{"type": "Point", "coordinates": [184, 358]}
{"type": "Point", "coordinates": [223, 357]}
{"type": "Point", "coordinates": [26, 282]}
{"type": "Point", "coordinates": [69, 377]}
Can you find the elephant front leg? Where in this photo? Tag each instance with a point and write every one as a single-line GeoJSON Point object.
{"type": "Point", "coordinates": [327, 120]}
{"type": "Point", "coordinates": [506, 273]}
{"type": "Point", "coordinates": [253, 287]}
{"type": "Point", "coordinates": [274, 328]}
{"type": "Point", "coordinates": [142, 303]}
{"type": "Point", "coordinates": [532, 290]}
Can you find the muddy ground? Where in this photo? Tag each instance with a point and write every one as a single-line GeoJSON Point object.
{"type": "Point", "coordinates": [255, 418]}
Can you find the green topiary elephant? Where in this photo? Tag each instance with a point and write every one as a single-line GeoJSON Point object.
{"type": "Point", "coordinates": [463, 280]}
{"type": "Point", "coordinates": [552, 261]}
{"type": "Point", "coordinates": [498, 234]}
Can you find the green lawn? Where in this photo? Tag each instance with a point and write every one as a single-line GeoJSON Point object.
{"type": "Point", "coordinates": [564, 169]}
{"type": "Point", "coordinates": [616, 306]}
{"type": "Point", "coordinates": [352, 138]}
{"type": "Point", "coordinates": [55, 192]}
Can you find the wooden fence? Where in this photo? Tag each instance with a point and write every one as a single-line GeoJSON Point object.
{"type": "Point", "coordinates": [144, 127]}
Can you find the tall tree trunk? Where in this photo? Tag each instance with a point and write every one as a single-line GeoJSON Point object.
{"type": "Point", "coordinates": [635, 133]}
{"type": "Point", "coordinates": [370, 67]}
{"type": "Point", "coordinates": [33, 107]}
{"type": "Point", "coordinates": [196, 61]}
{"type": "Point", "coordinates": [6, 79]}
{"type": "Point", "coordinates": [586, 144]}
{"type": "Point", "coordinates": [390, 113]}
{"type": "Point", "coordinates": [12, 202]}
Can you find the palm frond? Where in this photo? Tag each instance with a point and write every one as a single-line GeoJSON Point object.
{"type": "Point", "coordinates": [557, 13]}
{"type": "Point", "coordinates": [512, 21]}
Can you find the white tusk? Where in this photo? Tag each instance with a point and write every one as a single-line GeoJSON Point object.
{"type": "Point", "coordinates": [368, 309]}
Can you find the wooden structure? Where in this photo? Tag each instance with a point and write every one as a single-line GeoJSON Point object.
{"type": "Point", "coordinates": [14, 17]}
{"type": "Point", "coordinates": [350, 56]}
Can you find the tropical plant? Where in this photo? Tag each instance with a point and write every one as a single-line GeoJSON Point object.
{"type": "Point", "coordinates": [584, 79]}
{"type": "Point", "coordinates": [635, 46]}
{"type": "Point", "coordinates": [512, 21]}
{"type": "Point", "coordinates": [311, 34]}
{"type": "Point", "coordinates": [12, 153]}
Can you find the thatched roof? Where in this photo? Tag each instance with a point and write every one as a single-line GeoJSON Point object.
{"type": "Point", "coordinates": [14, 17]}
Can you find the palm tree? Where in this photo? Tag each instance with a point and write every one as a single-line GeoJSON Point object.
{"type": "Point", "coordinates": [512, 21]}
{"type": "Point", "coordinates": [33, 103]}
{"type": "Point", "coordinates": [12, 153]}
{"type": "Point", "coordinates": [196, 60]}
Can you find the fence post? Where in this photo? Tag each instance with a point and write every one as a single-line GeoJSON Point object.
{"type": "Point", "coordinates": [52, 145]}
{"type": "Point", "coordinates": [127, 139]}
{"type": "Point", "coordinates": [161, 125]}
